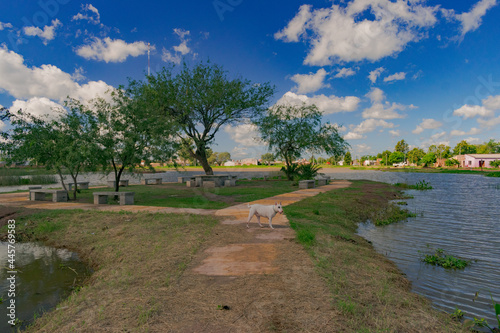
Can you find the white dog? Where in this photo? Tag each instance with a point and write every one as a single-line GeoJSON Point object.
{"type": "Point", "coordinates": [264, 211]}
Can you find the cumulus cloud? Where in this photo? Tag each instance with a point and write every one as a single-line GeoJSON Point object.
{"type": "Point", "coordinates": [111, 50]}
{"type": "Point", "coordinates": [354, 136]}
{"type": "Point", "coordinates": [489, 123]}
{"type": "Point", "coordinates": [38, 106]}
{"type": "Point", "coordinates": [37, 85]}
{"type": "Point", "coordinates": [471, 20]}
{"type": "Point", "coordinates": [427, 124]}
{"type": "Point", "coordinates": [473, 131]}
{"type": "Point", "coordinates": [326, 104]}
{"type": "Point", "coordinates": [395, 133]}
{"type": "Point", "coordinates": [492, 102]}
{"type": "Point", "coordinates": [345, 72]}
{"type": "Point", "coordinates": [382, 109]}
{"type": "Point", "coordinates": [366, 126]}
{"type": "Point", "coordinates": [375, 74]}
{"type": "Point", "coordinates": [395, 77]}
{"type": "Point", "coordinates": [5, 25]}
{"type": "Point", "coordinates": [308, 83]}
{"type": "Point", "coordinates": [47, 34]}
{"type": "Point", "coordinates": [180, 50]}
{"type": "Point", "coordinates": [245, 134]}
{"type": "Point", "coordinates": [471, 111]}
{"type": "Point", "coordinates": [89, 13]}
{"type": "Point", "coordinates": [338, 34]}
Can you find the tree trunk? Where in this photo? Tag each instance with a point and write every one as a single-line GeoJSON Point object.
{"type": "Point", "coordinates": [76, 185]}
{"type": "Point", "coordinates": [62, 178]}
{"type": "Point", "coordinates": [206, 166]}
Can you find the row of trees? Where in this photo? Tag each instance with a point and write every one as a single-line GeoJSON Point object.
{"type": "Point", "coordinates": [166, 115]}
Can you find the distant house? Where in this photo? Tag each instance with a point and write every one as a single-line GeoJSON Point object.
{"type": "Point", "coordinates": [369, 162]}
{"type": "Point", "coordinates": [249, 161]}
{"type": "Point", "coordinates": [230, 163]}
{"type": "Point", "coordinates": [474, 160]}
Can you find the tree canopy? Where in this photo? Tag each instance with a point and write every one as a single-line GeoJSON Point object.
{"type": "Point", "coordinates": [402, 147]}
{"type": "Point", "coordinates": [201, 100]}
{"type": "Point", "coordinates": [291, 130]}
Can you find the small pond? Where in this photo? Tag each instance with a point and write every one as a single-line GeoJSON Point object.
{"type": "Point", "coordinates": [45, 276]}
{"type": "Point", "coordinates": [459, 215]}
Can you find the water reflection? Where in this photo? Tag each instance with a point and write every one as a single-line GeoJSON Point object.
{"type": "Point", "coordinates": [461, 216]}
{"type": "Point", "coordinates": [46, 275]}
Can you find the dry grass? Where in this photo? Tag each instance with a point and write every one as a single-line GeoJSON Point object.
{"type": "Point", "coordinates": [136, 257]}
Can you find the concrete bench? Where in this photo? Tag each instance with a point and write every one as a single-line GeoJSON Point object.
{"type": "Point", "coordinates": [184, 179]}
{"type": "Point", "coordinates": [126, 198]}
{"type": "Point", "coordinates": [303, 184]}
{"type": "Point", "coordinates": [111, 183]}
{"type": "Point", "coordinates": [211, 183]}
{"type": "Point", "coordinates": [81, 185]}
{"type": "Point", "coordinates": [154, 180]}
{"type": "Point", "coordinates": [191, 183]}
{"type": "Point", "coordinates": [230, 182]}
{"type": "Point", "coordinates": [323, 181]}
{"type": "Point", "coordinates": [57, 195]}
{"type": "Point", "coordinates": [35, 187]}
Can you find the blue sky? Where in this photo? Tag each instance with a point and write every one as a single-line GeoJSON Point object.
{"type": "Point", "coordinates": [424, 71]}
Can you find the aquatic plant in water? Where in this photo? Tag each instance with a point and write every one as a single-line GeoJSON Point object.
{"type": "Point", "coordinates": [439, 258]}
{"type": "Point", "coordinates": [482, 322]}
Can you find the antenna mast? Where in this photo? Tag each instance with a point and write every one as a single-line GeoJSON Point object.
{"type": "Point", "coordinates": [149, 64]}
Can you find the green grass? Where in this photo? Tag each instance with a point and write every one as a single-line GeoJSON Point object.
{"type": "Point", "coordinates": [369, 291]}
{"type": "Point", "coordinates": [33, 180]}
{"type": "Point", "coordinates": [181, 196]}
{"type": "Point", "coordinates": [493, 174]}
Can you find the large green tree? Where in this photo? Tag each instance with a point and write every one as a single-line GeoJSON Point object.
{"type": "Point", "coordinates": [402, 147]}
{"type": "Point", "coordinates": [62, 143]}
{"type": "Point", "coordinates": [130, 132]}
{"type": "Point", "coordinates": [267, 158]}
{"type": "Point", "coordinates": [347, 158]}
{"type": "Point", "coordinates": [415, 155]}
{"type": "Point", "coordinates": [463, 147]}
{"type": "Point", "coordinates": [291, 130]}
{"type": "Point", "coordinates": [201, 100]}
{"type": "Point", "coordinates": [490, 147]}
{"type": "Point", "coordinates": [441, 151]}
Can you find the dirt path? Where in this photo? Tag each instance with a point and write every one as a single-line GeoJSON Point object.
{"type": "Point", "coordinates": [251, 280]}
{"type": "Point", "coordinates": [243, 280]}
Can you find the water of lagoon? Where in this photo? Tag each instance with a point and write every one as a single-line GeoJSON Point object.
{"type": "Point", "coordinates": [460, 215]}
{"type": "Point", "coordinates": [45, 276]}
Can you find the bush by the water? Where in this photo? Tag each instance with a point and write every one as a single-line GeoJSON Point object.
{"type": "Point", "coordinates": [439, 258]}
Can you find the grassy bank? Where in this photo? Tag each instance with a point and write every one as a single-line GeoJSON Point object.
{"type": "Point", "coordinates": [136, 257]}
{"type": "Point", "coordinates": [179, 195]}
{"type": "Point", "coordinates": [369, 291]}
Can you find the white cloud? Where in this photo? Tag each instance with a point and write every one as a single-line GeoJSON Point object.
{"type": "Point", "coordinates": [395, 133]}
{"type": "Point", "coordinates": [382, 109]}
{"type": "Point", "coordinates": [38, 106]}
{"type": "Point", "coordinates": [338, 34]}
{"type": "Point", "coordinates": [345, 72]}
{"type": "Point", "coordinates": [78, 74]}
{"type": "Point", "coordinates": [47, 34]}
{"type": "Point", "coordinates": [326, 104]}
{"type": "Point", "coordinates": [239, 153]}
{"type": "Point", "coordinates": [375, 74]}
{"type": "Point", "coordinates": [362, 148]}
{"type": "Point", "coordinates": [308, 83]}
{"type": "Point", "coordinates": [245, 134]}
{"type": "Point", "coordinates": [297, 26]}
{"type": "Point", "coordinates": [473, 140]}
{"type": "Point", "coordinates": [489, 122]}
{"type": "Point", "coordinates": [473, 131]}
{"type": "Point", "coordinates": [366, 126]}
{"type": "Point", "coordinates": [5, 25]}
{"type": "Point", "coordinates": [471, 111]}
{"type": "Point", "coordinates": [427, 124]}
{"type": "Point", "coordinates": [395, 77]}
{"type": "Point", "coordinates": [180, 50]}
{"type": "Point", "coordinates": [91, 14]}
{"type": "Point", "coordinates": [472, 20]}
{"type": "Point", "coordinates": [492, 102]}
{"type": "Point", "coordinates": [47, 81]}
{"type": "Point", "coordinates": [110, 50]}
{"type": "Point", "coordinates": [354, 136]}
